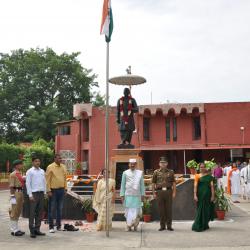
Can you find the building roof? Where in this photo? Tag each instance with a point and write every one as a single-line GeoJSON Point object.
{"type": "Point", "coordinates": [62, 122]}
{"type": "Point", "coordinates": [177, 108]}
{"type": "Point", "coordinates": [192, 147]}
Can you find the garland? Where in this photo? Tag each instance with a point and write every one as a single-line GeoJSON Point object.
{"type": "Point", "coordinates": [123, 116]}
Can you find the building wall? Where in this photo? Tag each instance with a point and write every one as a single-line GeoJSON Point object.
{"type": "Point", "coordinates": [220, 124]}
{"type": "Point", "coordinates": [68, 142]}
{"type": "Point", "coordinates": [224, 121]}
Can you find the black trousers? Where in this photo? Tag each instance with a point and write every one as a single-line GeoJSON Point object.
{"type": "Point", "coordinates": [36, 211]}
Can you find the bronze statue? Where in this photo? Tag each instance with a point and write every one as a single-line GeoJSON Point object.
{"type": "Point", "coordinates": [126, 107]}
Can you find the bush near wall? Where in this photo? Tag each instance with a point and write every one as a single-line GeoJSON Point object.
{"type": "Point", "coordinates": [46, 155]}
{"type": "Point", "coordinates": [41, 148]}
{"type": "Point", "coordinates": [9, 152]}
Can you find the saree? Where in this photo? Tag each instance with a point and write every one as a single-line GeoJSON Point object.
{"type": "Point", "coordinates": [205, 208]}
{"type": "Point", "coordinates": [99, 203]}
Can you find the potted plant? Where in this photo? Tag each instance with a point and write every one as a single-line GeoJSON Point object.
{"type": "Point", "coordinates": [222, 204]}
{"type": "Point", "coordinates": [146, 210]}
{"type": "Point", "coordinates": [87, 206]}
{"type": "Point", "coordinates": [209, 165]}
{"type": "Point", "coordinates": [78, 170]}
{"type": "Point", "coordinates": [193, 166]}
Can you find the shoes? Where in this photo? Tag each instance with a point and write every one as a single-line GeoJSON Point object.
{"type": "Point", "coordinates": [39, 233]}
{"type": "Point", "coordinates": [170, 229]}
{"type": "Point", "coordinates": [135, 228]}
{"type": "Point", "coordinates": [18, 233]}
{"type": "Point", "coordinates": [22, 232]}
{"type": "Point", "coordinates": [52, 230]}
{"type": "Point", "coordinates": [162, 229]}
{"type": "Point", "coordinates": [128, 229]}
{"type": "Point", "coordinates": [59, 228]}
{"type": "Point", "coordinates": [32, 235]}
{"type": "Point", "coordinates": [69, 227]}
{"type": "Point", "coordinates": [78, 223]}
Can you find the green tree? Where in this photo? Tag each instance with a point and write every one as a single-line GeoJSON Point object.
{"type": "Point", "coordinates": [98, 100]}
{"type": "Point", "coordinates": [37, 88]}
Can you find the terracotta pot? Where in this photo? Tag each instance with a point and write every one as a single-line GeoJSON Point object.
{"type": "Point", "coordinates": [90, 217]}
{"type": "Point", "coordinates": [78, 172]}
{"type": "Point", "coordinates": [220, 214]}
{"type": "Point", "coordinates": [147, 217]}
{"type": "Point", "coordinates": [192, 171]}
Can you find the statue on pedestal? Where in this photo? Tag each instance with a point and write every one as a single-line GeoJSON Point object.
{"type": "Point", "coordinates": [126, 107]}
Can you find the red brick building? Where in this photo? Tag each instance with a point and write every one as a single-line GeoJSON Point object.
{"type": "Point", "coordinates": [179, 131]}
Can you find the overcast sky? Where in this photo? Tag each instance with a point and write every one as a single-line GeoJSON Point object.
{"type": "Point", "coordinates": [189, 51]}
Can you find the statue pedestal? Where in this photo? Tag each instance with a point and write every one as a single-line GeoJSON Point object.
{"type": "Point", "coordinates": [119, 163]}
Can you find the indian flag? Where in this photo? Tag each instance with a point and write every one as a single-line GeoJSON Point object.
{"type": "Point", "coordinates": [107, 20]}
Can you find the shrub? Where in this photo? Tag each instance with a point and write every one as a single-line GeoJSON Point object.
{"type": "Point", "coordinates": [41, 148]}
{"type": "Point", "coordinates": [44, 153]}
{"type": "Point", "coordinates": [9, 152]}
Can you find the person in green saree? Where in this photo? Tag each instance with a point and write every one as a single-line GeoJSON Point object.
{"type": "Point", "coordinates": [204, 197]}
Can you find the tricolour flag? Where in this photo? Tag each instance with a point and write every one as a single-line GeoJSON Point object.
{"type": "Point", "coordinates": [107, 20]}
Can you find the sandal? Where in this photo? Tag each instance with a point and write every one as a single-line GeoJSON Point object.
{"type": "Point", "coordinates": [70, 228]}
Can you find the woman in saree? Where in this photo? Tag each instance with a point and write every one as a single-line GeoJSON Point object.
{"type": "Point", "coordinates": [204, 197]}
{"type": "Point", "coordinates": [99, 202]}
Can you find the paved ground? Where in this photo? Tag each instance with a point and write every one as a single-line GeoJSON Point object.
{"type": "Point", "coordinates": [233, 233]}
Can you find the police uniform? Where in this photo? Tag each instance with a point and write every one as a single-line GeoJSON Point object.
{"type": "Point", "coordinates": [163, 179]}
{"type": "Point", "coordinates": [17, 183]}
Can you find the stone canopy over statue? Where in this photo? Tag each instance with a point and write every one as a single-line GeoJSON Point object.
{"type": "Point", "coordinates": [126, 107]}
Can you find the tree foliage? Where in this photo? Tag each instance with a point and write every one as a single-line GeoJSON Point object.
{"type": "Point", "coordinates": [9, 152]}
{"type": "Point", "coordinates": [37, 88]}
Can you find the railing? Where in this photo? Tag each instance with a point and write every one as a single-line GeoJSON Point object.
{"type": "Point", "coordinates": [4, 177]}
{"type": "Point", "coordinates": [82, 186]}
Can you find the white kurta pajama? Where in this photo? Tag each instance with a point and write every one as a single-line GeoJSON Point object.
{"type": "Point", "coordinates": [235, 184]}
{"type": "Point", "coordinates": [132, 189]}
{"type": "Point", "coordinates": [242, 182]}
{"type": "Point", "coordinates": [247, 180]}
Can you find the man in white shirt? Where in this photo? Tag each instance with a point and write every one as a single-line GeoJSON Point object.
{"type": "Point", "coordinates": [247, 179]}
{"type": "Point", "coordinates": [242, 180]}
{"type": "Point", "coordinates": [36, 188]}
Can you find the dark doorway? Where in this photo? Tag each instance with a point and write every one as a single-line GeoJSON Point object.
{"type": "Point", "coordinates": [147, 161]}
{"type": "Point", "coordinates": [198, 155]}
{"type": "Point", "coordinates": [120, 168]}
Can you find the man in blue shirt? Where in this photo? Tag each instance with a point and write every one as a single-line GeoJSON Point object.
{"type": "Point", "coordinates": [36, 188]}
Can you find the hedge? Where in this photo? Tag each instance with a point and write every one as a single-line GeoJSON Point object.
{"type": "Point", "coordinates": [9, 152]}
{"type": "Point", "coordinates": [40, 148]}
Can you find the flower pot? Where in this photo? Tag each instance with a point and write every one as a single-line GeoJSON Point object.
{"type": "Point", "coordinates": [220, 214]}
{"type": "Point", "coordinates": [78, 172]}
{"type": "Point", "coordinates": [90, 217]}
{"type": "Point", "coordinates": [147, 217]}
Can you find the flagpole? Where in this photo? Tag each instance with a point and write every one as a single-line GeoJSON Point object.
{"type": "Point", "coordinates": [107, 140]}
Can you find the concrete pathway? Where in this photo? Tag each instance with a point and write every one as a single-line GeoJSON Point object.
{"type": "Point", "coordinates": [233, 233]}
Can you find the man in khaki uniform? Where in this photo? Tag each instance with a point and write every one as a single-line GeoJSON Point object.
{"type": "Point", "coordinates": [164, 190]}
{"type": "Point", "coordinates": [16, 197]}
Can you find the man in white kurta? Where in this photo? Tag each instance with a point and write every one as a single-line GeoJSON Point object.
{"type": "Point", "coordinates": [132, 194]}
{"type": "Point", "coordinates": [234, 183]}
{"type": "Point", "coordinates": [247, 180]}
{"type": "Point", "coordinates": [242, 181]}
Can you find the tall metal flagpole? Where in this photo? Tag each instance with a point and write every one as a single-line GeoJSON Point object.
{"type": "Point", "coordinates": [107, 140]}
